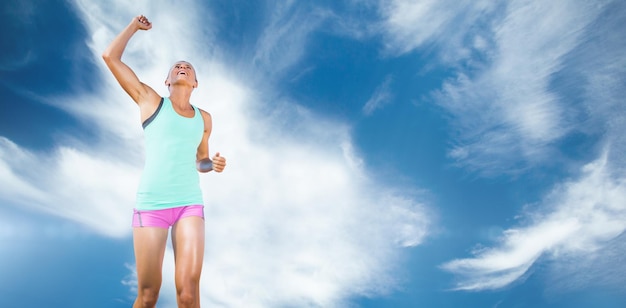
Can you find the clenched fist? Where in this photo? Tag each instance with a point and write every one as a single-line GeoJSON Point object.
{"type": "Point", "coordinates": [219, 162]}
{"type": "Point", "coordinates": [142, 22]}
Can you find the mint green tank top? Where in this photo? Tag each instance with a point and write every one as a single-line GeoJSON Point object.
{"type": "Point", "coordinates": [170, 178]}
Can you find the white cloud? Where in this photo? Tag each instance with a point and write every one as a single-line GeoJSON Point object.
{"type": "Point", "coordinates": [408, 25]}
{"type": "Point", "coordinates": [577, 218]}
{"type": "Point", "coordinates": [285, 37]}
{"type": "Point", "coordinates": [604, 268]}
{"type": "Point", "coordinates": [402, 16]}
{"type": "Point", "coordinates": [79, 186]}
{"type": "Point", "coordinates": [506, 117]}
{"type": "Point", "coordinates": [295, 220]}
{"type": "Point", "coordinates": [381, 97]}
{"type": "Point", "coordinates": [11, 155]}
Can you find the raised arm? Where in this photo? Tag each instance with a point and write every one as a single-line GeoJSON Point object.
{"type": "Point", "coordinates": [138, 91]}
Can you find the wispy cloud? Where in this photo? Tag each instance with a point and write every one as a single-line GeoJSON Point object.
{"type": "Point", "coordinates": [409, 25]}
{"type": "Point", "coordinates": [577, 218]}
{"type": "Point", "coordinates": [72, 184]}
{"type": "Point", "coordinates": [381, 97]}
{"type": "Point", "coordinates": [604, 268]}
{"type": "Point", "coordinates": [505, 117]}
{"type": "Point", "coordinates": [286, 35]}
{"type": "Point", "coordinates": [295, 220]}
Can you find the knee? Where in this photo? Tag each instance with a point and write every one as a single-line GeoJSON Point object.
{"type": "Point", "coordinates": [147, 297]}
{"type": "Point", "coordinates": [188, 297]}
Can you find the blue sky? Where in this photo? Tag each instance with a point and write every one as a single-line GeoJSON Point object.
{"type": "Point", "coordinates": [381, 153]}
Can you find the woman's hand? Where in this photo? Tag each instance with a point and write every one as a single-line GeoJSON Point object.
{"type": "Point", "coordinates": [142, 22]}
{"type": "Point", "coordinates": [219, 162]}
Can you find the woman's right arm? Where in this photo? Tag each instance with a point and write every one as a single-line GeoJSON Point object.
{"type": "Point", "coordinates": [138, 91]}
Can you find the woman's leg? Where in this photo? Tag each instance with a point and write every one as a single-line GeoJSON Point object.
{"type": "Point", "coordinates": [149, 243]}
{"type": "Point", "coordinates": [188, 242]}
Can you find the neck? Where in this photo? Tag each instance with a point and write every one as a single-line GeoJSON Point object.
{"type": "Point", "coordinates": [180, 95]}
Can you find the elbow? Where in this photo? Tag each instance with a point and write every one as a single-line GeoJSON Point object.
{"type": "Point", "coordinates": [106, 57]}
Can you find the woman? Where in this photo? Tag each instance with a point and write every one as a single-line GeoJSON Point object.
{"type": "Point", "coordinates": [169, 194]}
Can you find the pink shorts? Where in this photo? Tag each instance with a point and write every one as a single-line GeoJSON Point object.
{"type": "Point", "coordinates": [165, 218]}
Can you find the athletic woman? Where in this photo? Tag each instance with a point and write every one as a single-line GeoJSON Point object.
{"type": "Point", "coordinates": [176, 145]}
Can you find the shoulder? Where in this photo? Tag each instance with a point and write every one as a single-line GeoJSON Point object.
{"type": "Point", "coordinates": [206, 117]}
{"type": "Point", "coordinates": [205, 114]}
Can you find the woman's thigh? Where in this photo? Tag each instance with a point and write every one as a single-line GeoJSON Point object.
{"type": "Point", "coordinates": [149, 244]}
{"type": "Point", "coordinates": [188, 242]}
